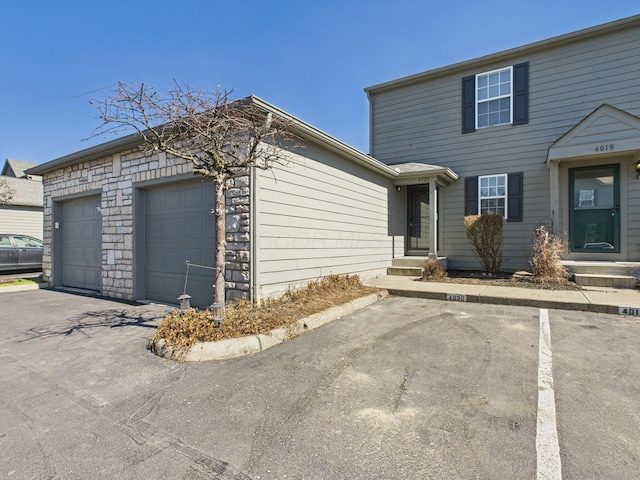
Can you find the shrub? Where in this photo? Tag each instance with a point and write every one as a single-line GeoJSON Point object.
{"type": "Point", "coordinates": [433, 270]}
{"type": "Point", "coordinates": [485, 234]}
{"type": "Point", "coordinates": [182, 329]}
{"type": "Point", "coordinates": [546, 253]}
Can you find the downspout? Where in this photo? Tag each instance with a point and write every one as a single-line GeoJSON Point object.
{"type": "Point", "coordinates": [253, 263]}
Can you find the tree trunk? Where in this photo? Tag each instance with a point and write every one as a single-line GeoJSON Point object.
{"type": "Point", "coordinates": [221, 241]}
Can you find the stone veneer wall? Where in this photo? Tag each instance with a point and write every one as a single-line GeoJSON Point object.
{"type": "Point", "coordinates": [238, 238]}
{"type": "Point", "coordinates": [114, 179]}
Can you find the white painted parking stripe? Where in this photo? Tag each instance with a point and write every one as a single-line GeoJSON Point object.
{"type": "Point", "coordinates": [547, 447]}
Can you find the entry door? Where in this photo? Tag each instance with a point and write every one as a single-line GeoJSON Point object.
{"type": "Point", "coordinates": [594, 215]}
{"type": "Point", "coordinates": [418, 221]}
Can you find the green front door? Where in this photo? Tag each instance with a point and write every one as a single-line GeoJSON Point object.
{"type": "Point", "coordinates": [594, 212]}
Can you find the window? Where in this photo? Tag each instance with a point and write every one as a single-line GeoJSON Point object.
{"type": "Point", "coordinates": [493, 98]}
{"type": "Point", "coordinates": [492, 195]}
{"type": "Point", "coordinates": [500, 194]}
{"type": "Point", "coordinates": [497, 97]}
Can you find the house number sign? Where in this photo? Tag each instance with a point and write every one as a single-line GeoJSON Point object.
{"type": "Point", "coordinates": [608, 147]}
{"type": "Point", "coordinates": [634, 311]}
{"type": "Point", "coordinates": [456, 297]}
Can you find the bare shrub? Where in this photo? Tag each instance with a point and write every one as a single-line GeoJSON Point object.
{"type": "Point", "coordinates": [546, 253]}
{"type": "Point", "coordinates": [433, 270]}
{"type": "Point", "coordinates": [485, 234]}
{"type": "Point", "coordinates": [182, 329]}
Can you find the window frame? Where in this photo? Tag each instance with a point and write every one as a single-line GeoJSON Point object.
{"type": "Point", "coordinates": [495, 98]}
{"type": "Point", "coordinates": [504, 196]}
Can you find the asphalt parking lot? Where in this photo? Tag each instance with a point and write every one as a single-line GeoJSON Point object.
{"type": "Point", "coordinates": [406, 389]}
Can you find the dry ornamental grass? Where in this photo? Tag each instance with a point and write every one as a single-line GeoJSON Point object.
{"type": "Point", "coordinates": [182, 329]}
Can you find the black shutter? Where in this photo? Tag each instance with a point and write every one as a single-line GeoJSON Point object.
{"type": "Point", "coordinates": [471, 195]}
{"type": "Point", "coordinates": [515, 196]}
{"type": "Point", "coordinates": [521, 94]}
{"type": "Point", "coordinates": [469, 104]}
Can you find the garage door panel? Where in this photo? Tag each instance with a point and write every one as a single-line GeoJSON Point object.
{"type": "Point", "coordinates": [81, 239]}
{"type": "Point", "coordinates": [179, 226]}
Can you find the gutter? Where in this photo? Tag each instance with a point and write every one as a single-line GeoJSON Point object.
{"type": "Point", "coordinates": [529, 48]}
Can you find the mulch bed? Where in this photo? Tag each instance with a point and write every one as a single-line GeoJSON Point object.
{"type": "Point", "coordinates": [504, 279]}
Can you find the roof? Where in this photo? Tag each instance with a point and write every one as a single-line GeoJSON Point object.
{"type": "Point", "coordinates": [580, 35]}
{"type": "Point", "coordinates": [26, 192]}
{"type": "Point", "coordinates": [411, 172]}
{"type": "Point", "coordinates": [301, 128]}
{"type": "Point", "coordinates": [16, 168]}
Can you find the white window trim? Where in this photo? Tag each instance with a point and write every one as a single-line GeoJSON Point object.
{"type": "Point", "coordinates": [510, 68]}
{"type": "Point", "coordinates": [505, 196]}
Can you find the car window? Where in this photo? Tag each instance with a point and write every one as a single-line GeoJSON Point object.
{"type": "Point", "coordinates": [27, 242]}
{"type": "Point", "coordinates": [4, 241]}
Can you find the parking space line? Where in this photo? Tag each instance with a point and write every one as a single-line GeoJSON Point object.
{"type": "Point", "coordinates": [547, 447]}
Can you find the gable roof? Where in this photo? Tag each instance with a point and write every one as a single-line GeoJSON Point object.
{"type": "Point", "coordinates": [607, 130]}
{"type": "Point", "coordinates": [16, 168]}
{"type": "Point", "coordinates": [303, 129]}
{"type": "Point", "coordinates": [580, 35]}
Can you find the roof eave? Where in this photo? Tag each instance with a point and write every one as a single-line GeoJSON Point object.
{"type": "Point", "coordinates": [319, 137]}
{"type": "Point", "coordinates": [112, 147]}
{"type": "Point", "coordinates": [506, 54]}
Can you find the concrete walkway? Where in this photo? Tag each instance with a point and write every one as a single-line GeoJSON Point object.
{"type": "Point", "coordinates": [593, 299]}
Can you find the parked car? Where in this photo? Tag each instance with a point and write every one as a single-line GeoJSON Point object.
{"type": "Point", "coordinates": [20, 252]}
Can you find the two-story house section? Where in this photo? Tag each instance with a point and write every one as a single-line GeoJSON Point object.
{"type": "Point", "coordinates": [547, 133]}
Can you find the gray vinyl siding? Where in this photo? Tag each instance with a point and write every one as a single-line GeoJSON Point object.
{"type": "Point", "coordinates": [21, 219]}
{"type": "Point", "coordinates": [421, 122]}
{"type": "Point", "coordinates": [317, 215]}
{"type": "Point", "coordinates": [632, 214]}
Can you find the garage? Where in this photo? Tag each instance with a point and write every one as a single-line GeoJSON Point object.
{"type": "Point", "coordinates": [81, 238]}
{"type": "Point", "coordinates": [179, 226]}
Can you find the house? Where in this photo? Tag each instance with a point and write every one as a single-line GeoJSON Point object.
{"type": "Point", "coordinates": [23, 213]}
{"type": "Point", "coordinates": [546, 133]}
{"type": "Point", "coordinates": [124, 224]}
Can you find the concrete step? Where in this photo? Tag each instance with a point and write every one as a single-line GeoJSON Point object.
{"type": "Point", "coordinates": [602, 267]}
{"type": "Point", "coordinates": [405, 271]}
{"type": "Point", "coordinates": [409, 261]}
{"type": "Point", "coordinates": [600, 280]}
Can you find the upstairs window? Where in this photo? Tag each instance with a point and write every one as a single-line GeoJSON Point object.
{"type": "Point", "coordinates": [493, 98]}
{"type": "Point", "coordinates": [498, 97]}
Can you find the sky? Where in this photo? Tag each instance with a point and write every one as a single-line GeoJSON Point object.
{"type": "Point", "coordinates": [310, 58]}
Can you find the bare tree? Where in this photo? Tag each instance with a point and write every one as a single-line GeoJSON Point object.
{"type": "Point", "coordinates": [220, 137]}
{"type": "Point", "coordinates": [6, 192]}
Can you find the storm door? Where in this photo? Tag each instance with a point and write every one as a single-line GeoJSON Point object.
{"type": "Point", "coordinates": [418, 221]}
{"type": "Point", "coordinates": [594, 212]}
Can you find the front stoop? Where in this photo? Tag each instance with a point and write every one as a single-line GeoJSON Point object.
{"type": "Point", "coordinates": [598, 280]}
{"type": "Point", "coordinates": [604, 274]}
{"type": "Point", "coordinates": [405, 271]}
{"type": "Point", "coordinates": [411, 266]}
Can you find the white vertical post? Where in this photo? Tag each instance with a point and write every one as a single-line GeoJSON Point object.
{"type": "Point", "coordinates": [433, 218]}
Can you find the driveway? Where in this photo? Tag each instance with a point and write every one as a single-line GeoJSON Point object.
{"type": "Point", "coordinates": [406, 388]}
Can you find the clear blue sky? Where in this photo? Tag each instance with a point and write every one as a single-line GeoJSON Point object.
{"type": "Point", "coordinates": [310, 58]}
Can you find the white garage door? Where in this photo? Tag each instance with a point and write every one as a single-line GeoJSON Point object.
{"type": "Point", "coordinates": [179, 226]}
{"type": "Point", "coordinates": [81, 228]}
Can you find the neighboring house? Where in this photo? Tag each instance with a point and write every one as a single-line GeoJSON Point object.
{"type": "Point", "coordinates": [546, 133]}
{"type": "Point", "coordinates": [23, 214]}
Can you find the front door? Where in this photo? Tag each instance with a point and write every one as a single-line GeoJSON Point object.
{"type": "Point", "coordinates": [594, 212]}
{"type": "Point", "coordinates": [418, 220]}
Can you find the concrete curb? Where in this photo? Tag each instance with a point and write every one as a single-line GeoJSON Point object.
{"type": "Point", "coordinates": [21, 288]}
{"type": "Point", "coordinates": [239, 347]}
{"type": "Point", "coordinates": [585, 306]}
